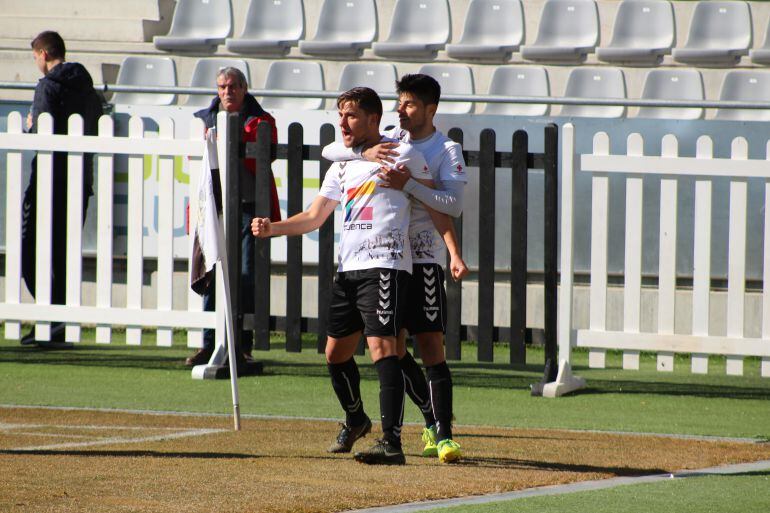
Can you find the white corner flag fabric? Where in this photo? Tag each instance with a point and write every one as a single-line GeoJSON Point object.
{"type": "Point", "coordinates": [206, 251]}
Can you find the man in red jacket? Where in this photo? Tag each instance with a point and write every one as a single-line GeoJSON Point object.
{"type": "Point", "coordinates": [233, 96]}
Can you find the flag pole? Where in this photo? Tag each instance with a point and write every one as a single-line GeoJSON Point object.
{"type": "Point", "coordinates": [230, 338]}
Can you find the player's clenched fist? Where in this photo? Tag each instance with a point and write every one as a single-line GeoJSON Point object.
{"type": "Point", "coordinates": [260, 227]}
{"type": "Point", "coordinates": [457, 267]}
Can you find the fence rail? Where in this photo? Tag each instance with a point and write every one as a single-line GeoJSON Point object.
{"type": "Point", "coordinates": [134, 316]}
{"type": "Point", "coordinates": [488, 160]}
{"type": "Point", "coordinates": [104, 314]}
{"type": "Point", "coordinates": [669, 166]}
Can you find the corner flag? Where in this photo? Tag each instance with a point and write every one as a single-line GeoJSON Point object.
{"type": "Point", "coordinates": [209, 248]}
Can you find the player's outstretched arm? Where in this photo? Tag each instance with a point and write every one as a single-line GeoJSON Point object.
{"type": "Point", "coordinates": [304, 222]}
{"type": "Point", "coordinates": [382, 153]}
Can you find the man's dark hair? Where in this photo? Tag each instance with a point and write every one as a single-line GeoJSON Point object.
{"type": "Point", "coordinates": [367, 100]}
{"type": "Point", "coordinates": [51, 42]}
{"type": "Point", "coordinates": [422, 86]}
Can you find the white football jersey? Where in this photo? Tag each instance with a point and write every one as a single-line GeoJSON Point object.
{"type": "Point", "coordinates": [445, 163]}
{"type": "Point", "coordinates": [376, 219]}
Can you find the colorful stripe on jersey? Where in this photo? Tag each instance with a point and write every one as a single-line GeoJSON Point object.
{"type": "Point", "coordinates": [354, 196]}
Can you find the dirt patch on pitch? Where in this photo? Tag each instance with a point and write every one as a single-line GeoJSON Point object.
{"type": "Point", "coordinates": [76, 461]}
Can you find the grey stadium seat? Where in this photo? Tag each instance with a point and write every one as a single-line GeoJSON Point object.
{"type": "Point", "coordinates": [345, 28]}
{"type": "Point", "coordinates": [205, 75]}
{"type": "Point", "coordinates": [595, 83]}
{"type": "Point", "coordinates": [568, 30]}
{"type": "Point", "coordinates": [720, 32]}
{"type": "Point", "coordinates": [749, 86]}
{"type": "Point", "coordinates": [762, 55]}
{"type": "Point", "coordinates": [493, 29]}
{"type": "Point", "coordinates": [271, 27]}
{"type": "Point", "coordinates": [454, 79]}
{"type": "Point", "coordinates": [644, 32]}
{"type": "Point", "coordinates": [380, 76]}
{"type": "Point", "coordinates": [146, 71]}
{"type": "Point", "coordinates": [418, 29]}
{"type": "Point", "coordinates": [672, 84]}
{"type": "Point", "coordinates": [294, 75]}
{"type": "Point", "coordinates": [519, 81]}
{"type": "Point", "coordinates": [197, 25]}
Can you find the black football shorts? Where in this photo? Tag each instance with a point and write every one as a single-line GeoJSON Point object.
{"type": "Point", "coordinates": [426, 303]}
{"type": "Point", "coordinates": [368, 300]}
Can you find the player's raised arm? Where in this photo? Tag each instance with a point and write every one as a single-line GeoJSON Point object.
{"type": "Point", "coordinates": [304, 222]}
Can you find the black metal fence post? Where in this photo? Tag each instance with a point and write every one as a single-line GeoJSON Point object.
{"type": "Point", "coordinates": [325, 250]}
{"type": "Point", "coordinates": [550, 247]}
{"type": "Point", "coordinates": [486, 280]}
{"type": "Point", "coordinates": [232, 213]}
{"type": "Point", "coordinates": [294, 244]}
{"type": "Point", "coordinates": [262, 201]}
{"type": "Point", "coordinates": [454, 290]}
{"type": "Point", "coordinates": [519, 187]}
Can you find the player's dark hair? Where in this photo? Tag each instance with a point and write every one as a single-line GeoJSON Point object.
{"type": "Point", "coordinates": [51, 42]}
{"type": "Point", "coordinates": [366, 98]}
{"type": "Point", "coordinates": [424, 87]}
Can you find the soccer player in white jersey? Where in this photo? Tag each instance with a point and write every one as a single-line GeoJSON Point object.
{"type": "Point", "coordinates": [426, 314]}
{"type": "Point", "coordinates": [369, 291]}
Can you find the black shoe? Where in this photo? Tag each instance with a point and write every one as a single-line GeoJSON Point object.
{"type": "Point", "coordinates": [29, 338]}
{"type": "Point", "coordinates": [202, 357]}
{"type": "Point", "coordinates": [56, 341]}
{"type": "Point", "coordinates": [348, 436]}
{"type": "Point", "coordinates": [383, 452]}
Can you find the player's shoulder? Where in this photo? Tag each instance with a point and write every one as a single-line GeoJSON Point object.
{"type": "Point", "coordinates": [397, 133]}
{"type": "Point", "coordinates": [446, 142]}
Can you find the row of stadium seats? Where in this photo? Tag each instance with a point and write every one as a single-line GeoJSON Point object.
{"type": "Point", "coordinates": [585, 82]}
{"type": "Point", "coordinates": [644, 30]}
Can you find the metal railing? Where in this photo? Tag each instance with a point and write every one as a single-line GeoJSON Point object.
{"type": "Point", "coordinates": [476, 98]}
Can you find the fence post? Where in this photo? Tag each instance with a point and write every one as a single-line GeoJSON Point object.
{"type": "Point", "coordinates": [294, 171]}
{"type": "Point", "coordinates": [454, 291]}
{"type": "Point", "coordinates": [550, 245]}
{"type": "Point", "coordinates": [325, 249]}
{"type": "Point", "coordinates": [262, 208]}
{"type": "Point", "coordinates": [486, 280]}
{"type": "Point", "coordinates": [519, 191]}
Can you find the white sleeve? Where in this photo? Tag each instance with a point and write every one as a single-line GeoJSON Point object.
{"type": "Point", "coordinates": [452, 165]}
{"type": "Point", "coordinates": [447, 201]}
{"type": "Point", "coordinates": [410, 157]}
{"type": "Point", "coordinates": [338, 152]}
{"type": "Point", "coordinates": [331, 188]}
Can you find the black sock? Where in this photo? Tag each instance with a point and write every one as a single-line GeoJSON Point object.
{"type": "Point", "coordinates": [417, 387]}
{"type": "Point", "coordinates": [391, 398]}
{"type": "Point", "coordinates": [346, 381]}
{"type": "Point", "coordinates": [440, 384]}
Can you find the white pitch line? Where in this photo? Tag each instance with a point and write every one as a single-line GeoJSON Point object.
{"type": "Point", "coordinates": [10, 427]}
{"type": "Point", "coordinates": [708, 438]}
{"type": "Point", "coordinates": [53, 435]}
{"type": "Point", "coordinates": [119, 440]}
{"type": "Point", "coordinates": [583, 486]}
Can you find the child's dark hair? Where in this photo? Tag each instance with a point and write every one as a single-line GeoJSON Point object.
{"type": "Point", "coordinates": [51, 42]}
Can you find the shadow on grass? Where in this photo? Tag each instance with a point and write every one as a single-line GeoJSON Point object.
{"type": "Point", "coordinates": [311, 364]}
{"type": "Point", "coordinates": [132, 454]}
{"type": "Point", "coordinates": [513, 463]}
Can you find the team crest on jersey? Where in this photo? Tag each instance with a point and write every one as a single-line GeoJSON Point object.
{"type": "Point", "coordinates": [459, 169]}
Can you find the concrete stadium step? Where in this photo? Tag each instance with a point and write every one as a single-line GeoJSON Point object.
{"type": "Point", "coordinates": [131, 10]}
{"type": "Point", "coordinates": [81, 28]}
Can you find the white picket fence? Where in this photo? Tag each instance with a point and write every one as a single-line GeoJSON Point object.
{"type": "Point", "coordinates": [669, 166]}
{"type": "Point", "coordinates": [104, 314]}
